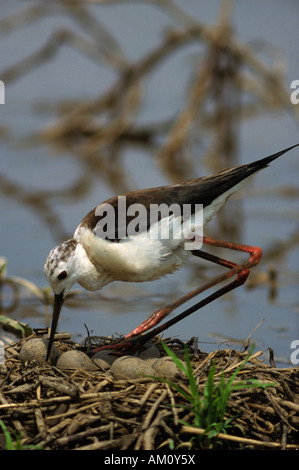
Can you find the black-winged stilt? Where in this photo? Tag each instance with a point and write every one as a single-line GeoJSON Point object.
{"type": "Point", "coordinates": [98, 254]}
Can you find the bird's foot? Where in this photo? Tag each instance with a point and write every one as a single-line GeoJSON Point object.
{"type": "Point", "coordinates": [122, 346]}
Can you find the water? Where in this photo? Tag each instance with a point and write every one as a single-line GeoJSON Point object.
{"type": "Point", "coordinates": [46, 190]}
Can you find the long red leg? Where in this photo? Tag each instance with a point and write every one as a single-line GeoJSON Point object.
{"type": "Point", "coordinates": [142, 339]}
{"type": "Point", "coordinates": [234, 269]}
{"type": "Point", "coordinates": [134, 340]}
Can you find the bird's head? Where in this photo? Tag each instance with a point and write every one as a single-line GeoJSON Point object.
{"type": "Point", "coordinates": [60, 271]}
{"type": "Point", "coordinates": [60, 267]}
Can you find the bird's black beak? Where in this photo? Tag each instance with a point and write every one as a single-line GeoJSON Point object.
{"type": "Point", "coordinates": [58, 302]}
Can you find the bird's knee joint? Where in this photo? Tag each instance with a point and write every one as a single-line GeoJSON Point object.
{"type": "Point", "coordinates": [242, 276]}
{"type": "Point", "coordinates": [256, 254]}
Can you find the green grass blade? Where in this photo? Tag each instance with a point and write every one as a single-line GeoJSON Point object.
{"type": "Point", "coordinates": [8, 439]}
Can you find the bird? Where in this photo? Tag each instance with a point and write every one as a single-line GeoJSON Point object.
{"type": "Point", "coordinates": [112, 244]}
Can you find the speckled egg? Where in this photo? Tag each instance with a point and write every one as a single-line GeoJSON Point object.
{"type": "Point", "coordinates": [130, 367]}
{"type": "Point", "coordinates": [35, 349]}
{"type": "Point", "coordinates": [73, 360]}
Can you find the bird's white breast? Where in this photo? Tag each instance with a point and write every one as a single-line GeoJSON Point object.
{"type": "Point", "coordinates": [134, 259]}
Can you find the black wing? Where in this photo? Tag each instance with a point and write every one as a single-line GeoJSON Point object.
{"type": "Point", "coordinates": [197, 191]}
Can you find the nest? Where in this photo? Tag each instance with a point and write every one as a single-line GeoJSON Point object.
{"type": "Point", "coordinates": [49, 409]}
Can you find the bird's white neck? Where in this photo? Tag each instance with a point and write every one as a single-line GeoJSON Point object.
{"type": "Point", "coordinates": [88, 276]}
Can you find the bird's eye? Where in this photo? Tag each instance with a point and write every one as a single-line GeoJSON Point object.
{"type": "Point", "coordinates": [62, 275]}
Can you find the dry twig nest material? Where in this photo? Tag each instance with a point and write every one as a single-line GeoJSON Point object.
{"type": "Point", "coordinates": [92, 409]}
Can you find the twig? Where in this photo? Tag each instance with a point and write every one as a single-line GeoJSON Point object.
{"type": "Point", "coordinates": [241, 440]}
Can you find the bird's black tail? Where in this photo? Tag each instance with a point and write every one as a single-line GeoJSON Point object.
{"type": "Point", "coordinates": [207, 189]}
{"type": "Point", "coordinates": [265, 161]}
